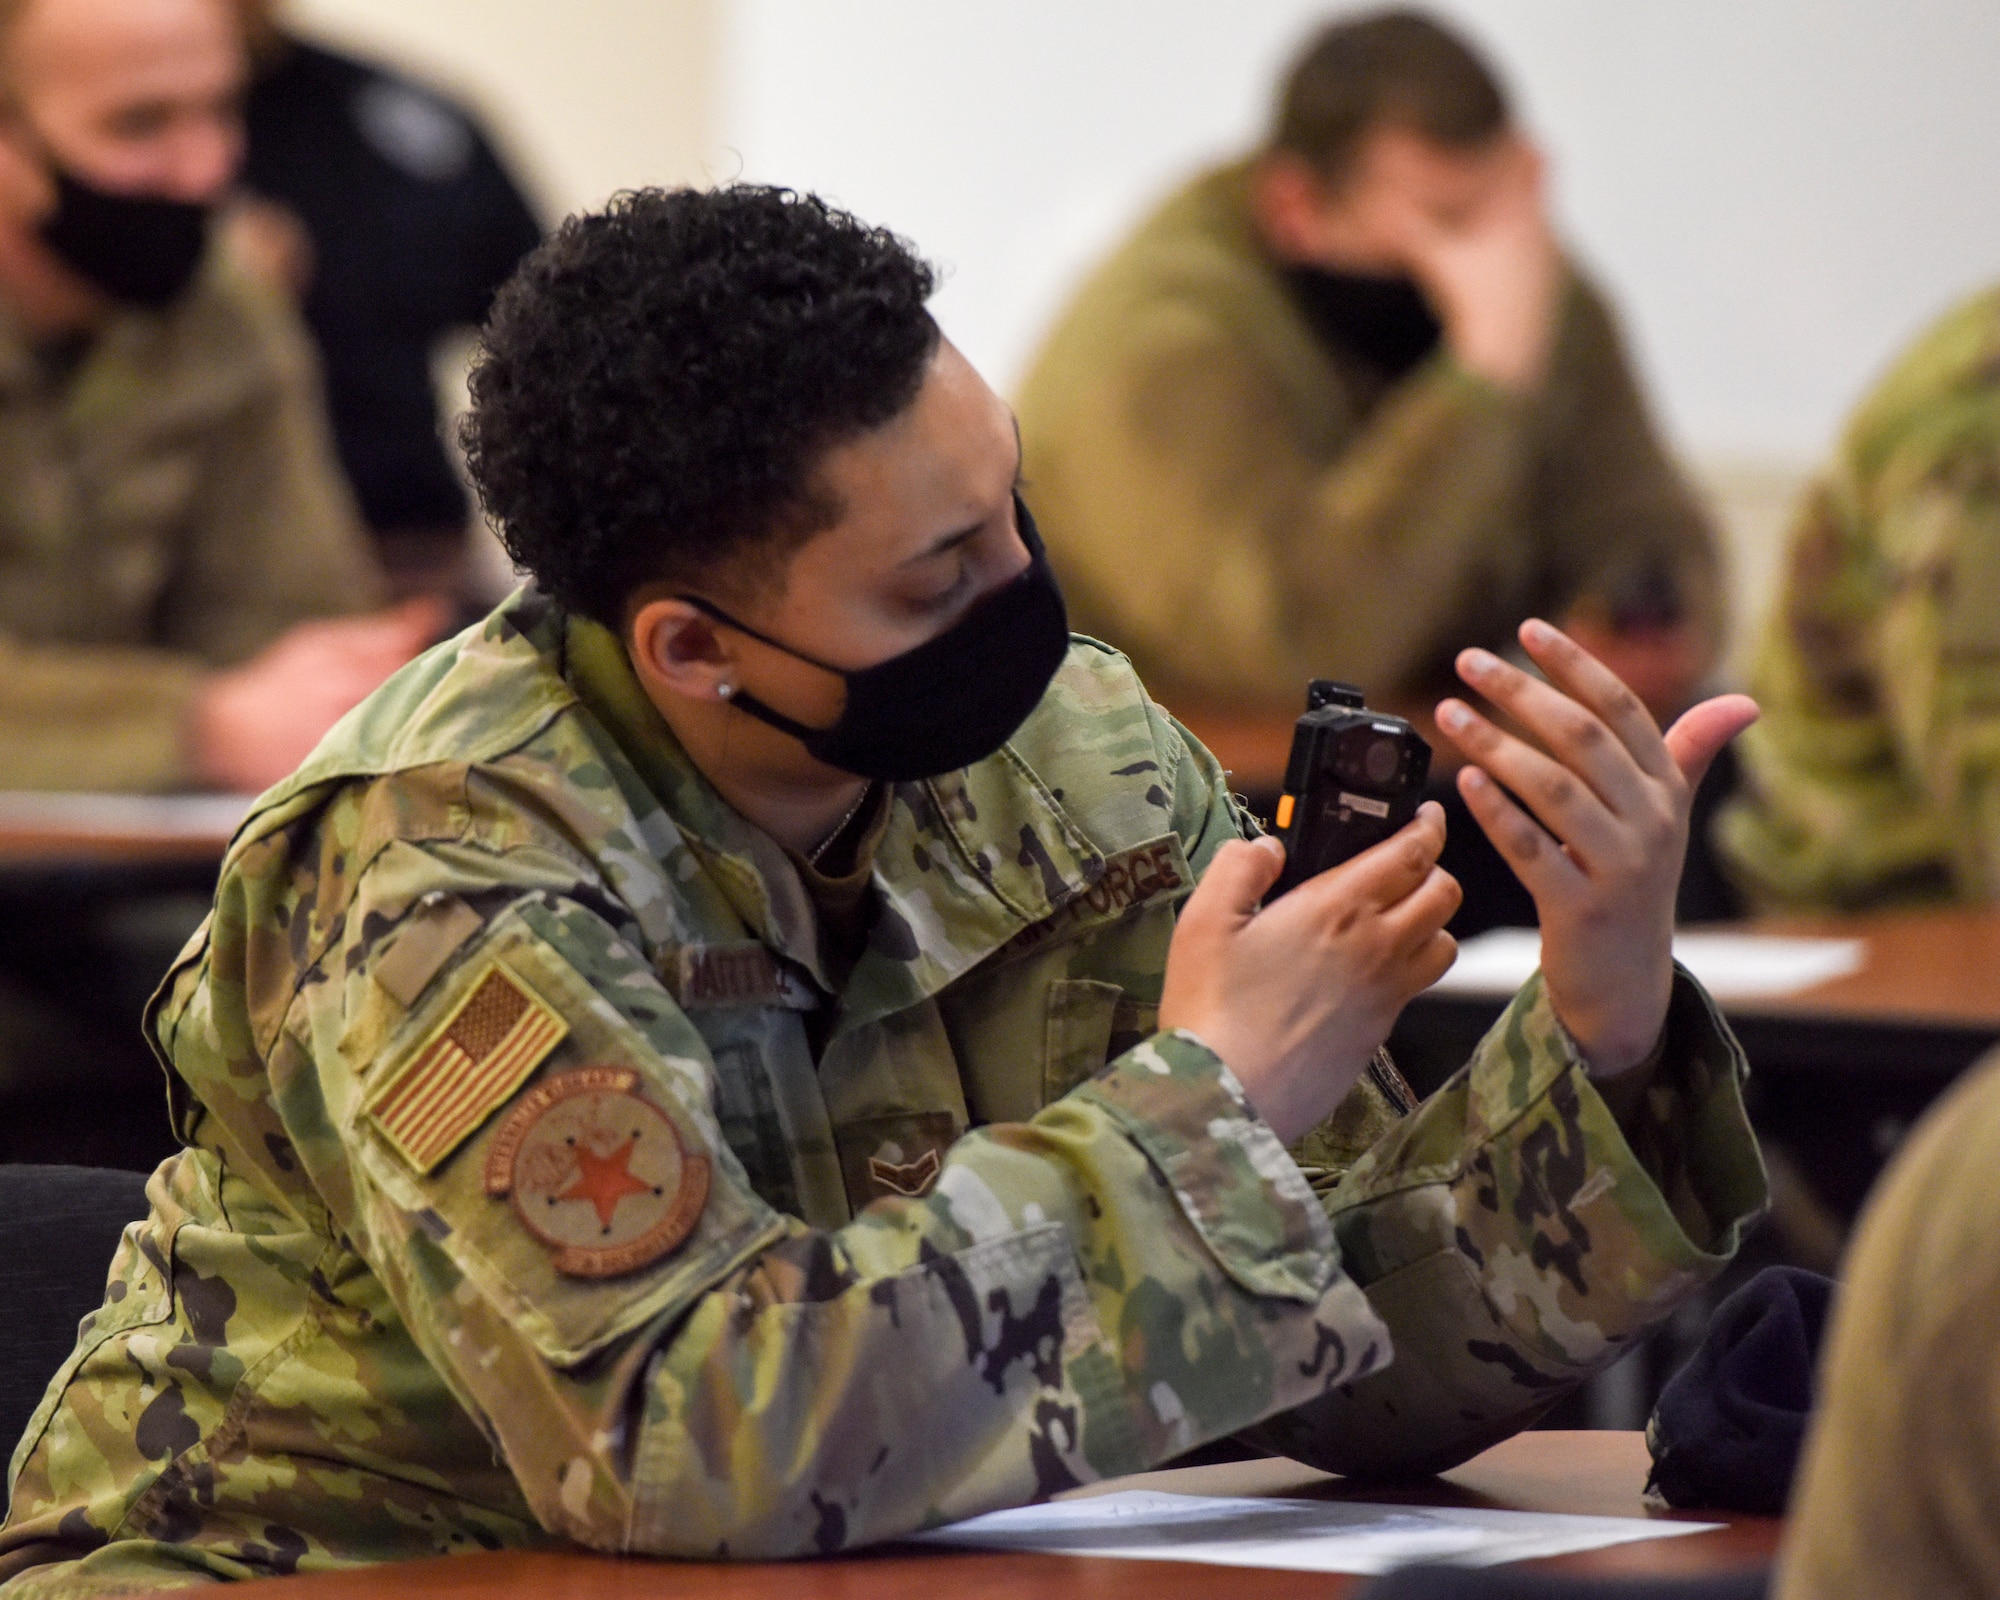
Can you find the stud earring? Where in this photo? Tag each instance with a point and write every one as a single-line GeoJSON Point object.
{"type": "Point", "coordinates": [724, 690]}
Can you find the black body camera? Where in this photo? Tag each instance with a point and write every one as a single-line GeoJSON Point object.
{"type": "Point", "coordinates": [1354, 777]}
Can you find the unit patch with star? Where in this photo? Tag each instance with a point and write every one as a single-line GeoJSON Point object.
{"type": "Point", "coordinates": [467, 1069]}
{"type": "Point", "coordinates": [597, 1172]}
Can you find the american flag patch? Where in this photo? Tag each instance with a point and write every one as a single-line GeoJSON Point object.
{"type": "Point", "coordinates": [498, 1034]}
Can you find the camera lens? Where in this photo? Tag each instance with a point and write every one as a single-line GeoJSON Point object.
{"type": "Point", "coordinates": [1381, 760]}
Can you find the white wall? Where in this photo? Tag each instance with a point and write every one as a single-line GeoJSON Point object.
{"type": "Point", "coordinates": [1778, 192]}
{"type": "Point", "coordinates": [587, 96]}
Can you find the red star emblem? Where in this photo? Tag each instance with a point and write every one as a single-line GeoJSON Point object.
{"type": "Point", "coordinates": [605, 1180]}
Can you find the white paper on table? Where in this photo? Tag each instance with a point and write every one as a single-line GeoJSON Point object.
{"type": "Point", "coordinates": [194, 816]}
{"type": "Point", "coordinates": [1296, 1535]}
{"type": "Point", "coordinates": [1731, 966]}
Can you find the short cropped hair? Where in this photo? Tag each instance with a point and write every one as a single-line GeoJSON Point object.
{"type": "Point", "coordinates": [658, 384]}
{"type": "Point", "coordinates": [1396, 68]}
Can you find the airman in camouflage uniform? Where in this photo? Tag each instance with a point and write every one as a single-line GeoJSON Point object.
{"type": "Point", "coordinates": [1000, 1202]}
{"type": "Point", "coordinates": [1875, 774]}
{"type": "Point", "coordinates": [578, 1150]}
{"type": "Point", "coordinates": [1342, 406]}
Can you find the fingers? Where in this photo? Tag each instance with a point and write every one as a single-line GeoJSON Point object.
{"type": "Point", "coordinates": [1423, 913]}
{"type": "Point", "coordinates": [1598, 689]}
{"type": "Point", "coordinates": [1698, 734]}
{"type": "Point", "coordinates": [1538, 861]}
{"type": "Point", "coordinates": [1585, 717]}
{"type": "Point", "coordinates": [407, 626]}
{"type": "Point", "coordinates": [1237, 879]}
{"type": "Point", "coordinates": [1385, 874]}
{"type": "Point", "coordinates": [1565, 802]}
{"type": "Point", "coordinates": [425, 615]}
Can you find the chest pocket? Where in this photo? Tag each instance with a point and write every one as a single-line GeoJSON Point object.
{"type": "Point", "coordinates": [1088, 1022]}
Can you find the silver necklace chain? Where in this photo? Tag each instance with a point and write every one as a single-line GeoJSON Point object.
{"type": "Point", "coordinates": [840, 827]}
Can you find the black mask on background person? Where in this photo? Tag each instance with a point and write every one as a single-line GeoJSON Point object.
{"type": "Point", "coordinates": [138, 248]}
{"type": "Point", "coordinates": [1385, 320]}
{"type": "Point", "coordinates": [949, 702]}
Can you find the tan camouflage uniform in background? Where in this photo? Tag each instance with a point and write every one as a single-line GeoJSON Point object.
{"type": "Point", "coordinates": [1898, 1491]}
{"type": "Point", "coordinates": [555, 1175]}
{"type": "Point", "coordinates": [169, 504]}
{"type": "Point", "coordinates": [1875, 772]}
{"type": "Point", "coordinates": [1242, 503]}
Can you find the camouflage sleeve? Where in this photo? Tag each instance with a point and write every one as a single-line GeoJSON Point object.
{"type": "Point", "coordinates": [1875, 771]}
{"type": "Point", "coordinates": [1241, 583]}
{"type": "Point", "coordinates": [1515, 1237]}
{"type": "Point", "coordinates": [1137, 1269]}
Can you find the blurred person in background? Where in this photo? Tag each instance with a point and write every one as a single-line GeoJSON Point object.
{"type": "Point", "coordinates": [179, 561]}
{"type": "Point", "coordinates": [1343, 408]}
{"type": "Point", "coordinates": [383, 206]}
{"type": "Point", "coordinates": [1898, 1491]}
{"type": "Point", "coordinates": [171, 520]}
{"type": "Point", "coordinates": [1875, 777]}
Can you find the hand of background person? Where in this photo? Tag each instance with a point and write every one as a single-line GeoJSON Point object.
{"type": "Point", "coordinates": [251, 725]}
{"type": "Point", "coordinates": [1614, 792]}
{"type": "Point", "coordinates": [1297, 996]}
{"type": "Point", "coordinates": [1493, 273]}
{"type": "Point", "coordinates": [269, 242]}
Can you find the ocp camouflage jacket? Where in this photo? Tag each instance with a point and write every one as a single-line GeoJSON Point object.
{"type": "Point", "coordinates": [402, 1294]}
{"type": "Point", "coordinates": [1874, 773]}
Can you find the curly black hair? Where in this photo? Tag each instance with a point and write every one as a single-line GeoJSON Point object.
{"type": "Point", "coordinates": [659, 381]}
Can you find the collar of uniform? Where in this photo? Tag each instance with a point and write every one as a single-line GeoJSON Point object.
{"type": "Point", "coordinates": [748, 867]}
{"type": "Point", "coordinates": [178, 365]}
{"type": "Point", "coordinates": [969, 860]}
{"type": "Point", "coordinates": [465, 701]}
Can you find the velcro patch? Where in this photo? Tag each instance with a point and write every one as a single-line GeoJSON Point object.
{"type": "Point", "coordinates": [705, 976]}
{"type": "Point", "coordinates": [430, 937]}
{"type": "Point", "coordinates": [901, 1154]}
{"type": "Point", "coordinates": [598, 1172]}
{"type": "Point", "coordinates": [1131, 878]}
{"type": "Point", "coordinates": [467, 1069]}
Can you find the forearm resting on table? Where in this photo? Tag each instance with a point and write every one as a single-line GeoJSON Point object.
{"type": "Point", "coordinates": [1135, 1271]}
{"type": "Point", "coordinates": [1515, 1235]}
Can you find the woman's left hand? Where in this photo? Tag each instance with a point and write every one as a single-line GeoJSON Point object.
{"type": "Point", "coordinates": [1615, 793]}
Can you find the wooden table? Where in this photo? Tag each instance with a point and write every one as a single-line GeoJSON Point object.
{"type": "Point", "coordinates": [1925, 1001]}
{"type": "Point", "coordinates": [1839, 1070]}
{"type": "Point", "coordinates": [1929, 982]}
{"type": "Point", "coordinates": [1601, 1474]}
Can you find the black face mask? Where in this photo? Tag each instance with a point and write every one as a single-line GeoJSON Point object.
{"type": "Point", "coordinates": [951, 701]}
{"type": "Point", "coordinates": [137, 248]}
{"type": "Point", "coordinates": [1386, 320]}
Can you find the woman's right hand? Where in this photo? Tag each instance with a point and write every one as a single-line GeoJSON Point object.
{"type": "Point", "coordinates": [1296, 996]}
